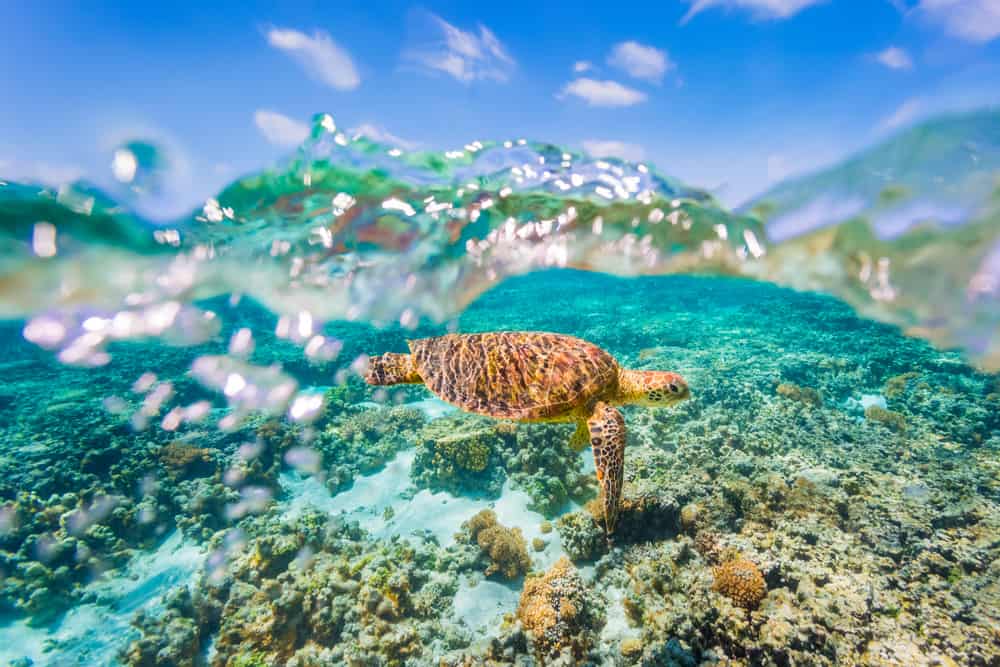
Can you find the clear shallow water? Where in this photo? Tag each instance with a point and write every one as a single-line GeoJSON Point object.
{"type": "Point", "coordinates": [194, 389]}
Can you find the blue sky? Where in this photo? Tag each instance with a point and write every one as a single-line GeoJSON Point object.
{"type": "Point", "coordinates": [731, 95]}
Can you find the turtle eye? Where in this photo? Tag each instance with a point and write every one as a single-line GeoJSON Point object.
{"type": "Point", "coordinates": [674, 388]}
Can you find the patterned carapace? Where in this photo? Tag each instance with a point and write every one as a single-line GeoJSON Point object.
{"type": "Point", "coordinates": [537, 377]}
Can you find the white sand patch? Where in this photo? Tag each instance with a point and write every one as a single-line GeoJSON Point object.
{"type": "Point", "coordinates": [617, 626]}
{"type": "Point", "coordinates": [869, 400]}
{"type": "Point", "coordinates": [440, 514]}
{"type": "Point", "coordinates": [482, 607]}
{"type": "Point", "coordinates": [94, 633]}
{"type": "Point", "coordinates": [433, 408]}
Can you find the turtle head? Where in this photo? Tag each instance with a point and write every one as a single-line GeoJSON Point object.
{"type": "Point", "coordinates": [655, 389]}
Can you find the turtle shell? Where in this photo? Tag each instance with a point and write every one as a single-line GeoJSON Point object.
{"type": "Point", "coordinates": [515, 375]}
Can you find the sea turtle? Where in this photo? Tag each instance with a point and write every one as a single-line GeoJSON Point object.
{"type": "Point", "coordinates": [537, 377]}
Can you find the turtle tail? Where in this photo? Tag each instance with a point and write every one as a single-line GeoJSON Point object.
{"type": "Point", "coordinates": [392, 368]}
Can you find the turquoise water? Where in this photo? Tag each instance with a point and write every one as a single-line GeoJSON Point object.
{"type": "Point", "coordinates": [192, 470]}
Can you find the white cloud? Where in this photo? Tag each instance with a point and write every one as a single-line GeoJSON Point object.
{"type": "Point", "coordinates": [970, 20]}
{"type": "Point", "coordinates": [382, 136]}
{"type": "Point", "coordinates": [463, 55]}
{"type": "Point", "coordinates": [895, 58]}
{"type": "Point", "coordinates": [612, 148]}
{"type": "Point", "coordinates": [640, 61]}
{"type": "Point", "coordinates": [279, 129]}
{"type": "Point", "coordinates": [319, 55]}
{"type": "Point", "coordinates": [759, 9]}
{"type": "Point", "coordinates": [603, 93]}
{"type": "Point", "coordinates": [581, 66]}
{"type": "Point", "coordinates": [906, 113]}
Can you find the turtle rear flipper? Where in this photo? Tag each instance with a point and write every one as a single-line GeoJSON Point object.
{"type": "Point", "coordinates": [392, 368]}
{"type": "Point", "coordinates": [607, 436]}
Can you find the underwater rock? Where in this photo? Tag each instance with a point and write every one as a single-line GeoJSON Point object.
{"type": "Point", "coordinates": [505, 547]}
{"type": "Point", "coordinates": [559, 613]}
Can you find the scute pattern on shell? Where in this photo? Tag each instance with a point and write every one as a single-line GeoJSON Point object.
{"type": "Point", "coordinates": [515, 375]}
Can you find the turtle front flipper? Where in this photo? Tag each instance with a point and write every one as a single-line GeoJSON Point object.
{"type": "Point", "coordinates": [607, 436]}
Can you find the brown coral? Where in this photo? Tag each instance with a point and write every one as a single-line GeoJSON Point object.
{"type": "Point", "coordinates": [185, 461]}
{"type": "Point", "coordinates": [896, 385]}
{"type": "Point", "coordinates": [556, 611]}
{"type": "Point", "coordinates": [806, 395]}
{"type": "Point", "coordinates": [894, 421]}
{"type": "Point", "coordinates": [741, 581]}
{"type": "Point", "coordinates": [707, 544]}
{"type": "Point", "coordinates": [505, 547]}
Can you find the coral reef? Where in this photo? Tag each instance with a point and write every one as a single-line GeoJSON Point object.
{"type": "Point", "coordinates": [864, 540]}
{"type": "Point", "coordinates": [461, 454]}
{"type": "Point", "coordinates": [806, 395]}
{"type": "Point", "coordinates": [469, 454]}
{"type": "Point", "coordinates": [359, 441]}
{"type": "Point", "coordinates": [305, 593]}
{"type": "Point", "coordinates": [892, 420]}
{"type": "Point", "coordinates": [504, 547]}
{"type": "Point", "coordinates": [541, 463]}
{"type": "Point", "coordinates": [582, 537]}
{"type": "Point", "coordinates": [741, 581]}
{"type": "Point", "coordinates": [559, 613]}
